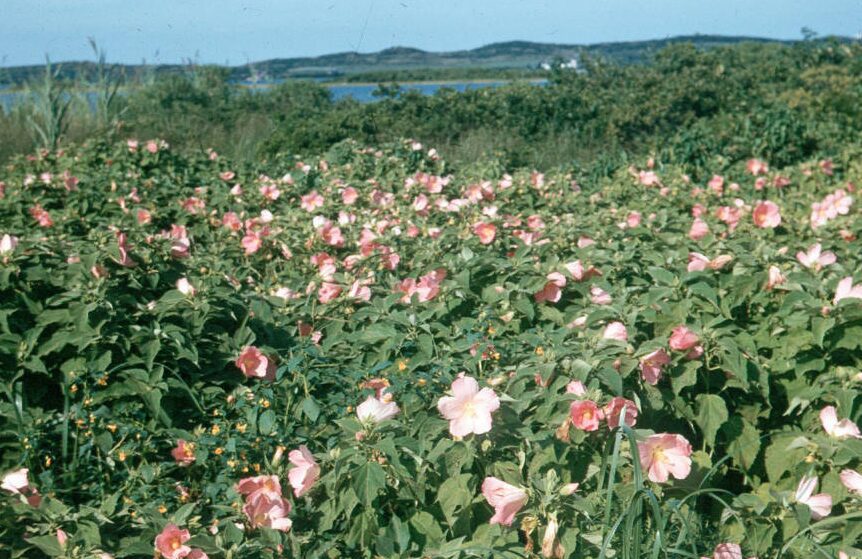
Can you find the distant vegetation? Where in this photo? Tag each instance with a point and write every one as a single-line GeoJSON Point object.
{"type": "Point", "coordinates": [494, 60]}
{"type": "Point", "coordinates": [692, 105]}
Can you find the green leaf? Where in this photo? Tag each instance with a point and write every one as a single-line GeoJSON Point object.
{"type": "Point", "coordinates": [368, 480]}
{"type": "Point", "coordinates": [711, 415]}
{"type": "Point", "coordinates": [744, 442]}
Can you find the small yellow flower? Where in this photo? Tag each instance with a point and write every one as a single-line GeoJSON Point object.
{"type": "Point", "coordinates": [264, 402]}
{"type": "Point", "coordinates": [421, 382]}
{"type": "Point", "coordinates": [402, 365]}
{"type": "Point", "coordinates": [112, 427]}
{"type": "Point", "coordinates": [163, 509]}
{"type": "Point", "coordinates": [48, 461]}
{"type": "Point", "coordinates": [121, 456]}
{"type": "Point", "coordinates": [232, 463]}
{"type": "Point", "coordinates": [219, 451]}
{"type": "Point", "coordinates": [257, 468]}
{"type": "Point", "coordinates": [540, 351]}
{"type": "Point", "coordinates": [491, 330]}
{"type": "Point", "coordinates": [215, 430]}
{"type": "Point", "coordinates": [241, 427]}
{"type": "Point", "coordinates": [73, 389]}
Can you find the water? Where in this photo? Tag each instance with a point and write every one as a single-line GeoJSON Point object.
{"type": "Point", "coordinates": [360, 92]}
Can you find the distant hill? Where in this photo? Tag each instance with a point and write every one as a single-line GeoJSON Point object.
{"type": "Point", "coordinates": [506, 55]}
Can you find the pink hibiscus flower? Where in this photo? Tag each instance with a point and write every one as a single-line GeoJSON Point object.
{"type": "Point", "coordinates": [469, 409]}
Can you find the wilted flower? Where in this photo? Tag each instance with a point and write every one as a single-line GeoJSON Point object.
{"type": "Point", "coordinates": [506, 499]}
{"type": "Point", "coordinates": [306, 472]}
{"type": "Point", "coordinates": [614, 412]}
{"type": "Point", "coordinates": [852, 480]}
{"type": "Point", "coordinates": [184, 453]}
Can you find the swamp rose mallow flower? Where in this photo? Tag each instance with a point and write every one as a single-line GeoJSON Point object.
{"type": "Point", "coordinates": [506, 499]}
{"type": "Point", "coordinates": [815, 258]}
{"type": "Point", "coordinates": [171, 542]}
{"type": "Point", "coordinates": [852, 480]}
{"type": "Point", "coordinates": [305, 473]}
{"type": "Point", "coordinates": [486, 232]}
{"type": "Point", "coordinates": [586, 415]}
{"type": "Point", "coordinates": [766, 215]}
{"type": "Point", "coordinates": [184, 453]}
{"type": "Point", "coordinates": [652, 365]}
{"type": "Point", "coordinates": [254, 364]}
{"type": "Point", "coordinates": [374, 410]}
{"type": "Point", "coordinates": [17, 482]}
{"type": "Point", "coordinates": [268, 511]}
{"type": "Point", "coordinates": [615, 331]}
{"type": "Point", "coordinates": [682, 339]}
{"type": "Point", "coordinates": [838, 429]}
{"type": "Point", "coordinates": [664, 455]}
{"type": "Point", "coordinates": [846, 290]}
{"type": "Point", "coordinates": [469, 409]}
{"type": "Point", "coordinates": [614, 411]}
{"type": "Point", "coordinates": [8, 244]}
{"type": "Point", "coordinates": [820, 504]}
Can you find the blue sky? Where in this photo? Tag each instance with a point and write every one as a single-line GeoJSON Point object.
{"type": "Point", "coordinates": [238, 31]}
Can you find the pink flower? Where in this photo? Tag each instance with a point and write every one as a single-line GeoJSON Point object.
{"type": "Point", "coordinates": [185, 287]}
{"type": "Point", "coordinates": [184, 453]}
{"type": "Point", "coordinates": [815, 258]}
{"type": "Point", "coordinates": [552, 291]}
{"type": "Point", "coordinates": [577, 388]}
{"type": "Point", "coordinates": [846, 290]}
{"type": "Point", "coordinates": [586, 415]}
{"type": "Point", "coordinates": [259, 485]}
{"type": "Point", "coordinates": [699, 229]}
{"type": "Point", "coordinates": [599, 296]}
{"type": "Point", "coordinates": [196, 554]}
{"type": "Point", "coordinates": [251, 242]}
{"type": "Point", "coordinates": [486, 232]}
{"type": "Point", "coordinates": [349, 196]}
{"type": "Point", "coordinates": [756, 167]}
{"type": "Point", "coordinates": [682, 339]}
{"type": "Point", "coordinates": [264, 510]}
{"type": "Point", "coordinates": [727, 551]}
{"type": "Point", "coordinates": [8, 243]}
{"type": "Point", "coordinates": [123, 248]}
{"type": "Point", "coordinates": [697, 262]}
{"type": "Point", "coordinates": [359, 291]}
{"type": "Point", "coordinates": [425, 289]}
{"type": "Point", "coordinates": [506, 499]}
{"type": "Point", "coordinates": [614, 411]}
{"type": "Point", "coordinates": [144, 217]}
{"type": "Point", "coordinates": [374, 410]}
{"type": "Point", "coordinates": [652, 365]}
{"type": "Point", "coordinates": [328, 292]}
{"type": "Point", "coordinates": [306, 472]}
{"type": "Point", "coordinates": [663, 455]}
{"type": "Point", "coordinates": [16, 482]}
{"type": "Point", "coordinates": [578, 273]}
{"type": "Point", "coordinates": [615, 331]}
{"type": "Point", "coordinates": [254, 364]}
{"type": "Point", "coordinates": [775, 278]}
{"type": "Point", "coordinates": [852, 480]}
{"type": "Point", "coordinates": [469, 409]}
{"type": "Point", "coordinates": [171, 542]}
{"type": "Point", "coordinates": [312, 201]}
{"type": "Point", "coordinates": [766, 215]}
{"type": "Point", "coordinates": [839, 429]}
{"type": "Point", "coordinates": [820, 504]}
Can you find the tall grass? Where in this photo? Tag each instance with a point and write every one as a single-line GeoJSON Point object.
{"type": "Point", "coordinates": [46, 111]}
